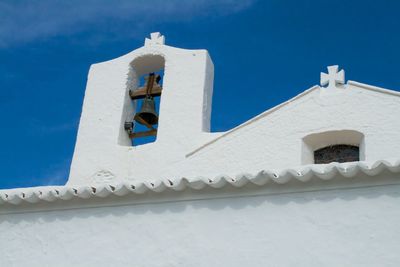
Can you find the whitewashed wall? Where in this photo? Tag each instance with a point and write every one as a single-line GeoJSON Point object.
{"type": "Point", "coordinates": [274, 218]}
{"type": "Point", "coordinates": [342, 227]}
{"type": "Point", "coordinates": [184, 146]}
{"type": "Point", "coordinates": [274, 139]}
{"type": "Point", "coordinates": [103, 152]}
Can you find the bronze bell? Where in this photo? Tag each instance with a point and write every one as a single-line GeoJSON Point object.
{"type": "Point", "coordinates": [147, 114]}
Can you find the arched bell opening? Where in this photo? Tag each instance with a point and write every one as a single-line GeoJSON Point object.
{"type": "Point", "coordinates": [144, 88]}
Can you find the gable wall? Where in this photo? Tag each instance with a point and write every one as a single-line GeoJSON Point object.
{"type": "Point", "coordinates": [274, 141]}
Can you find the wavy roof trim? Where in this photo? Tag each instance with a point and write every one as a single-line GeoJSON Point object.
{"type": "Point", "coordinates": [303, 174]}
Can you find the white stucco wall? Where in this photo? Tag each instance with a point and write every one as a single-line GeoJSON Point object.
{"type": "Point", "coordinates": [336, 227]}
{"type": "Point", "coordinates": [278, 139]}
{"type": "Point", "coordinates": [274, 139]}
{"type": "Point", "coordinates": [129, 206]}
{"type": "Point", "coordinates": [103, 152]}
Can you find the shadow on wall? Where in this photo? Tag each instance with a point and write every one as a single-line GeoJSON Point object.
{"type": "Point", "coordinates": [212, 205]}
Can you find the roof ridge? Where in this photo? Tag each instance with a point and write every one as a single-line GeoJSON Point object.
{"type": "Point", "coordinates": [374, 88]}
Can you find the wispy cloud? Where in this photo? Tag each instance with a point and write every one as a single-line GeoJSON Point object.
{"type": "Point", "coordinates": [28, 20]}
{"type": "Point", "coordinates": [37, 127]}
{"type": "Point", "coordinates": [57, 174]}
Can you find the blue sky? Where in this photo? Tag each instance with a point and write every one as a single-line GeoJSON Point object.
{"type": "Point", "coordinates": [264, 53]}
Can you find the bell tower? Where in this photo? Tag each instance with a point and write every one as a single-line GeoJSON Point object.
{"type": "Point", "coordinates": [117, 99]}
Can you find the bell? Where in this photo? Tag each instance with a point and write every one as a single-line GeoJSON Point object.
{"type": "Point", "coordinates": [147, 113]}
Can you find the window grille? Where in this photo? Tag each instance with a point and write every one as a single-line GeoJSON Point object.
{"type": "Point", "coordinates": [337, 153]}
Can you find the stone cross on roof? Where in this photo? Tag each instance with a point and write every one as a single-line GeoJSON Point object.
{"type": "Point", "coordinates": [333, 77]}
{"type": "Point", "coordinates": [155, 39]}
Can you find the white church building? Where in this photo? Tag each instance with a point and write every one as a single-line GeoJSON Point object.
{"type": "Point", "coordinates": [313, 181]}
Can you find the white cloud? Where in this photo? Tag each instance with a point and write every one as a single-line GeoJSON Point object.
{"type": "Point", "coordinates": [56, 175]}
{"type": "Point", "coordinates": [28, 20]}
{"type": "Point", "coordinates": [37, 127]}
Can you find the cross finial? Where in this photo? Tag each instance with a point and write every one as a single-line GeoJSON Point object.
{"type": "Point", "coordinates": [333, 77]}
{"type": "Point", "coordinates": [155, 39]}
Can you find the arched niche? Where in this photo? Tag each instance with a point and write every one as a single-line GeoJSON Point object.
{"type": "Point", "coordinates": [317, 141]}
{"type": "Point", "coordinates": [140, 66]}
{"type": "Point", "coordinates": [149, 63]}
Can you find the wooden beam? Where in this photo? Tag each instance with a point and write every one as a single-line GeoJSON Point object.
{"type": "Point", "coordinates": [141, 92]}
{"type": "Point", "coordinates": [143, 134]}
{"type": "Point", "coordinates": [142, 121]}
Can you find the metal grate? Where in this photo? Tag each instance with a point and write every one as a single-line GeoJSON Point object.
{"type": "Point", "coordinates": [337, 153]}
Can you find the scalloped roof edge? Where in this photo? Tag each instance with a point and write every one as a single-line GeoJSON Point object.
{"type": "Point", "coordinates": [304, 174]}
